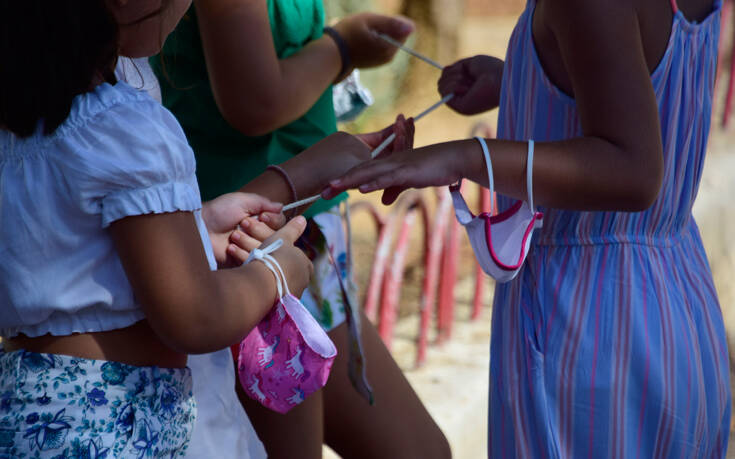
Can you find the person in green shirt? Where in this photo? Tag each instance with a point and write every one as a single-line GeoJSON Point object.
{"type": "Point", "coordinates": [250, 82]}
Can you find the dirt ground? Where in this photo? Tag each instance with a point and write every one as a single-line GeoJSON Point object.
{"type": "Point", "coordinates": [486, 35]}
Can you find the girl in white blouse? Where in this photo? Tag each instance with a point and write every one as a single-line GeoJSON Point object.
{"type": "Point", "coordinates": [107, 256]}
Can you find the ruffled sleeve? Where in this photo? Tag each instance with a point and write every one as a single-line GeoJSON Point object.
{"type": "Point", "coordinates": [129, 157]}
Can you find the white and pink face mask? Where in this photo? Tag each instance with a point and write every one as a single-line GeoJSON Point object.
{"type": "Point", "coordinates": [288, 355]}
{"type": "Point", "coordinates": [500, 242]}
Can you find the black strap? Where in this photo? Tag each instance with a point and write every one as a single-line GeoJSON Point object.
{"type": "Point", "coordinates": [344, 52]}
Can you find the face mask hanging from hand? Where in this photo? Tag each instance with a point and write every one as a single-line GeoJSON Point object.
{"type": "Point", "coordinates": [287, 356]}
{"type": "Point", "coordinates": [500, 242]}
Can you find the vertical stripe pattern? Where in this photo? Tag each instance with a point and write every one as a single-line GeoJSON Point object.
{"type": "Point", "coordinates": [610, 342]}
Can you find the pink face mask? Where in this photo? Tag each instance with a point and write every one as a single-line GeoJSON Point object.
{"type": "Point", "coordinates": [500, 242]}
{"type": "Point", "coordinates": [288, 356]}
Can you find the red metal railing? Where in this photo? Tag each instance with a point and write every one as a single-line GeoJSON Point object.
{"type": "Point", "coordinates": [441, 245]}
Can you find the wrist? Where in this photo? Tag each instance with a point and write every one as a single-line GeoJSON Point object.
{"type": "Point", "coordinates": [344, 52]}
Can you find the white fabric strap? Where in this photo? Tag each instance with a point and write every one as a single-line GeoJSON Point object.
{"type": "Point", "coordinates": [413, 53]}
{"type": "Point", "coordinates": [488, 163]}
{"type": "Point", "coordinates": [272, 264]}
{"type": "Point", "coordinates": [529, 175]}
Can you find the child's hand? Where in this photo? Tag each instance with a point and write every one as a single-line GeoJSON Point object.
{"type": "Point", "coordinates": [223, 214]}
{"type": "Point", "coordinates": [250, 235]}
{"type": "Point", "coordinates": [428, 166]}
{"type": "Point", "coordinates": [403, 129]}
{"type": "Point", "coordinates": [365, 47]}
{"type": "Point", "coordinates": [295, 264]}
{"type": "Point", "coordinates": [475, 83]}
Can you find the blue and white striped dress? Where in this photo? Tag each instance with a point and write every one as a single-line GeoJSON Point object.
{"type": "Point", "coordinates": [610, 342]}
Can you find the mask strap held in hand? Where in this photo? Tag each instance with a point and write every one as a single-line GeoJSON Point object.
{"type": "Point", "coordinates": [272, 264]}
{"type": "Point", "coordinates": [529, 175]}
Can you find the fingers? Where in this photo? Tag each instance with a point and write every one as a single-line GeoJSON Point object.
{"type": "Point", "coordinates": [391, 194]}
{"type": "Point", "coordinates": [397, 27]}
{"type": "Point", "coordinates": [358, 176]}
{"type": "Point", "coordinates": [256, 204]}
{"type": "Point", "coordinates": [274, 220]}
{"type": "Point", "coordinates": [405, 130]}
{"type": "Point", "coordinates": [373, 139]}
{"type": "Point", "coordinates": [256, 229]}
{"type": "Point", "coordinates": [456, 80]}
{"type": "Point", "coordinates": [240, 246]}
{"type": "Point", "coordinates": [292, 230]}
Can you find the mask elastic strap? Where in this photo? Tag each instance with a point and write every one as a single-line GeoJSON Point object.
{"type": "Point", "coordinates": [272, 265]}
{"type": "Point", "coordinates": [529, 175]}
{"type": "Point", "coordinates": [489, 164]}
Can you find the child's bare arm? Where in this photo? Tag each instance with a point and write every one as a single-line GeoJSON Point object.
{"type": "Point", "coordinates": [192, 309]}
{"type": "Point", "coordinates": [258, 93]}
{"type": "Point", "coordinates": [616, 165]}
{"type": "Point", "coordinates": [331, 157]}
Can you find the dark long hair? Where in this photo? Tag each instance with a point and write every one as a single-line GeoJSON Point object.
{"type": "Point", "coordinates": [50, 52]}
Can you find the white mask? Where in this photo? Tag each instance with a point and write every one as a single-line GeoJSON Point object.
{"type": "Point", "coordinates": [500, 242]}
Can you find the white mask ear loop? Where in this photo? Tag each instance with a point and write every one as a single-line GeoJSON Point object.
{"type": "Point", "coordinates": [489, 164]}
{"type": "Point", "coordinates": [272, 265]}
{"type": "Point", "coordinates": [529, 175]}
{"type": "Point", "coordinates": [283, 276]}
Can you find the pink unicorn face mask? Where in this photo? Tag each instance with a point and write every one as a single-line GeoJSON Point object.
{"type": "Point", "coordinates": [500, 242]}
{"type": "Point", "coordinates": [288, 356]}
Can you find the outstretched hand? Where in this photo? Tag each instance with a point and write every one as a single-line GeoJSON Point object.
{"type": "Point", "coordinates": [423, 167]}
{"type": "Point", "coordinates": [223, 214]}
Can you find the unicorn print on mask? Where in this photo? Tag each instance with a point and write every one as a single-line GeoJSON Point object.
{"type": "Point", "coordinates": [287, 355]}
{"type": "Point", "coordinates": [254, 389]}
{"type": "Point", "coordinates": [266, 353]}
{"type": "Point", "coordinates": [297, 397]}
{"type": "Point", "coordinates": [294, 364]}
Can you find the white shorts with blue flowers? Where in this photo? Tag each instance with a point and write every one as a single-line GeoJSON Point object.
{"type": "Point", "coordinates": [55, 406]}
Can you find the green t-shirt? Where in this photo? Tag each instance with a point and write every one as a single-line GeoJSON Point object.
{"type": "Point", "coordinates": [226, 158]}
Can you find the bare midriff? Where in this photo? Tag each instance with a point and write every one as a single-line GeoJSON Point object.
{"type": "Point", "coordinates": [135, 345]}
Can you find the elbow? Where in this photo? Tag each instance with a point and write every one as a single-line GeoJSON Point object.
{"type": "Point", "coordinates": [193, 329]}
{"type": "Point", "coordinates": [644, 190]}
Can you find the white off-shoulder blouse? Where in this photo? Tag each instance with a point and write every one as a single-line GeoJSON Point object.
{"type": "Point", "coordinates": [118, 154]}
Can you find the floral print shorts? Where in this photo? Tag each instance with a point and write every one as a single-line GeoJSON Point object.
{"type": "Point", "coordinates": [55, 406]}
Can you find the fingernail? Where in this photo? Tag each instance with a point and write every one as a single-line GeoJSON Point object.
{"type": "Point", "coordinates": [236, 236]}
{"type": "Point", "coordinates": [336, 182]}
{"type": "Point", "coordinates": [232, 249]}
{"type": "Point", "coordinates": [406, 27]}
{"type": "Point", "coordinates": [245, 223]}
{"type": "Point", "coordinates": [367, 188]}
{"type": "Point", "coordinates": [264, 217]}
{"type": "Point", "coordinates": [300, 220]}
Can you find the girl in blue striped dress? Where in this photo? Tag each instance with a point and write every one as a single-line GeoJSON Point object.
{"type": "Point", "coordinates": [610, 341]}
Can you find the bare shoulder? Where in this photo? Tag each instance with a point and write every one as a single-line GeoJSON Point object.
{"type": "Point", "coordinates": [564, 11]}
